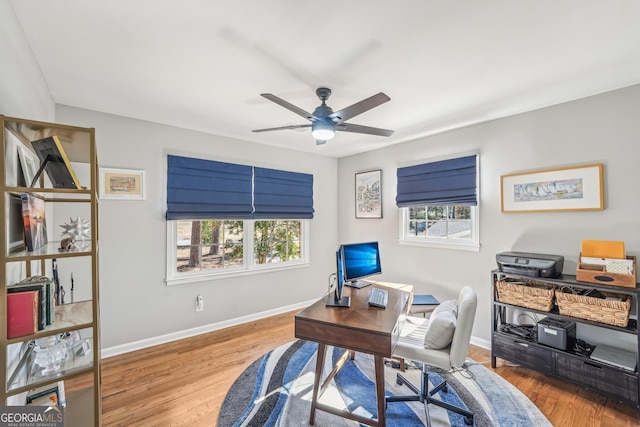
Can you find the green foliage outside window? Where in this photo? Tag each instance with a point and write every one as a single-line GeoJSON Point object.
{"type": "Point", "coordinates": [215, 244]}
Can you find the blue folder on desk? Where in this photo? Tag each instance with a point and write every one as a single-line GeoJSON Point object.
{"type": "Point", "coordinates": [425, 300]}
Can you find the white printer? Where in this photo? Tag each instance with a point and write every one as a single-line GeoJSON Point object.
{"type": "Point", "coordinates": [530, 264]}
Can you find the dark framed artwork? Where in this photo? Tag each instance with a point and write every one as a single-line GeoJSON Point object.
{"type": "Point", "coordinates": [369, 194]}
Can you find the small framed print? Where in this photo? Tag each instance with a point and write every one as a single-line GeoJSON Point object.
{"type": "Point", "coordinates": [369, 194]}
{"type": "Point", "coordinates": [124, 184]}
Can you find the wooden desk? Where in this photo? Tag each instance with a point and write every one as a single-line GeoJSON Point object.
{"type": "Point", "coordinates": [357, 328]}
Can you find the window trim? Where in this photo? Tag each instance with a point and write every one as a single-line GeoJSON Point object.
{"type": "Point", "coordinates": [443, 243]}
{"type": "Point", "coordinates": [248, 268]}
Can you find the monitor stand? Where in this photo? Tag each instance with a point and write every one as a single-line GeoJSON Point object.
{"type": "Point", "coordinates": [332, 301]}
{"type": "Point", "coordinates": [358, 284]}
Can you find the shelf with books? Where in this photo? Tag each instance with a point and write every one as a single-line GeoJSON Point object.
{"type": "Point", "coordinates": [50, 175]}
{"type": "Point", "coordinates": [68, 317]}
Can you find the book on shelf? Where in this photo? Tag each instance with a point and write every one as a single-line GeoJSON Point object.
{"type": "Point", "coordinates": [46, 297]}
{"type": "Point", "coordinates": [55, 161]}
{"type": "Point", "coordinates": [47, 395]}
{"type": "Point", "coordinates": [34, 221]}
{"type": "Point", "coordinates": [22, 314]}
{"type": "Point", "coordinates": [47, 286]}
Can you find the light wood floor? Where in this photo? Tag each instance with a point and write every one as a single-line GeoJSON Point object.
{"type": "Point", "coordinates": [184, 383]}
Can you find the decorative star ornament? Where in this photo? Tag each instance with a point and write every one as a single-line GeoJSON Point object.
{"type": "Point", "coordinates": [78, 228]}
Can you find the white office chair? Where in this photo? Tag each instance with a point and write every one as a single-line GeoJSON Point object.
{"type": "Point", "coordinates": [420, 340]}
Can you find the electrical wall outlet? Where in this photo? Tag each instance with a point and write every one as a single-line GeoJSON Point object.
{"type": "Point", "coordinates": [199, 303]}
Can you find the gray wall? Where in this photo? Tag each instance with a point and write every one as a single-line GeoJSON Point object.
{"type": "Point", "coordinates": [599, 129]}
{"type": "Point", "coordinates": [23, 90]}
{"type": "Point", "coordinates": [135, 303]}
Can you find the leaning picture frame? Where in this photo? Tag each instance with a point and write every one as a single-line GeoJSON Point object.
{"type": "Point", "coordinates": [29, 163]}
{"type": "Point", "coordinates": [368, 194]}
{"type": "Point", "coordinates": [576, 188]}
{"type": "Point", "coordinates": [124, 184]}
{"type": "Point", "coordinates": [53, 158]}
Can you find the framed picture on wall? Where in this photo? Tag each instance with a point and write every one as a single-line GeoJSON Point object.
{"type": "Point", "coordinates": [577, 188]}
{"type": "Point", "coordinates": [124, 184]}
{"type": "Point", "coordinates": [369, 194]}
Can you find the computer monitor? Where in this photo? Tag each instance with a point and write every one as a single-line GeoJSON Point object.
{"type": "Point", "coordinates": [360, 260]}
{"type": "Point", "coordinates": [335, 298]}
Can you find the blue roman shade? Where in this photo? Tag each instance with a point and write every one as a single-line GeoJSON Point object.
{"type": "Point", "coordinates": [447, 182]}
{"type": "Point", "coordinates": [206, 189]}
{"type": "Point", "coordinates": [282, 195]}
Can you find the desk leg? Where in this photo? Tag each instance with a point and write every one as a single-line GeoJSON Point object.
{"type": "Point", "coordinates": [382, 407]}
{"type": "Point", "coordinates": [322, 349]}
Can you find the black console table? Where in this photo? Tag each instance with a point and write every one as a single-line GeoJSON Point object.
{"type": "Point", "coordinates": [569, 365]}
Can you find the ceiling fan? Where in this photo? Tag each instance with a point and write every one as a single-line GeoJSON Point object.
{"type": "Point", "coordinates": [325, 122]}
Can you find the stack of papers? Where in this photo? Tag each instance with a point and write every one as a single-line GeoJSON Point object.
{"type": "Point", "coordinates": [603, 249]}
{"type": "Point", "coordinates": [608, 253]}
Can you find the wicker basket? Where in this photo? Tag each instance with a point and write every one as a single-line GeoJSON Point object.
{"type": "Point", "coordinates": [595, 309]}
{"type": "Point", "coordinates": [529, 294]}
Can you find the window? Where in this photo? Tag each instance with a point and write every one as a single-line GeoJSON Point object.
{"type": "Point", "coordinates": [206, 249]}
{"type": "Point", "coordinates": [209, 245]}
{"type": "Point", "coordinates": [440, 225]}
{"type": "Point", "coordinates": [228, 219]}
{"type": "Point", "coordinates": [438, 203]}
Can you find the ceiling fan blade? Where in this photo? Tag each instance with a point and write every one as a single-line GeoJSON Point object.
{"type": "Point", "coordinates": [350, 127]}
{"type": "Point", "coordinates": [281, 102]}
{"type": "Point", "coordinates": [289, 127]}
{"type": "Point", "coordinates": [359, 108]}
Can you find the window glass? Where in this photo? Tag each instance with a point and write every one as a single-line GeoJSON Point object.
{"type": "Point", "coordinates": [443, 224]}
{"type": "Point", "coordinates": [276, 241]}
{"type": "Point", "coordinates": [204, 248]}
{"type": "Point", "coordinates": [208, 245]}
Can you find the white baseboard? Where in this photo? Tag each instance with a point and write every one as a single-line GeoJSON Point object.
{"type": "Point", "coordinates": [482, 343]}
{"type": "Point", "coordinates": [174, 336]}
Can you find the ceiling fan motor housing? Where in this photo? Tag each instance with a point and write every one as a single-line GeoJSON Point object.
{"type": "Point", "coordinates": [323, 93]}
{"type": "Point", "coordinates": [323, 127]}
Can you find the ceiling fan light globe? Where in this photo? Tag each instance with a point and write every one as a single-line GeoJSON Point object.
{"type": "Point", "coordinates": [323, 134]}
{"type": "Point", "coordinates": [322, 131]}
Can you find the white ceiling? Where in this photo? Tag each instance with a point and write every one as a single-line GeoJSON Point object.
{"type": "Point", "coordinates": [202, 64]}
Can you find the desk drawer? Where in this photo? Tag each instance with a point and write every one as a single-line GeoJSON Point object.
{"type": "Point", "coordinates": [523, 353]}
{"type": "Point", "coordinates": [598, 377]}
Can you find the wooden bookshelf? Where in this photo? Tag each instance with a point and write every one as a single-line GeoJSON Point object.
{"type": "Point", "coordinates": [76, 322]}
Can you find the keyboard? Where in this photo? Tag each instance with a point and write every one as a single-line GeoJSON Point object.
{"type": "Point", "coordinates": [378, 298]}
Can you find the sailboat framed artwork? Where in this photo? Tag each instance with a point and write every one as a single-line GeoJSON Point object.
{"type": "Point", "coordinates": [574, 188]}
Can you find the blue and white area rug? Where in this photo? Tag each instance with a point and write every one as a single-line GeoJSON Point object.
{"type": "Point", "coordinates": [276, 391]}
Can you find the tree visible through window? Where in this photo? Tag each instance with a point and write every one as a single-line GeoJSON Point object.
{"type": "Point", "coordinates": [276, 241]}
{"type": "Point", "coordinates": [203, 245]}
{"type": "Point", "coordinates": [208, 244]}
